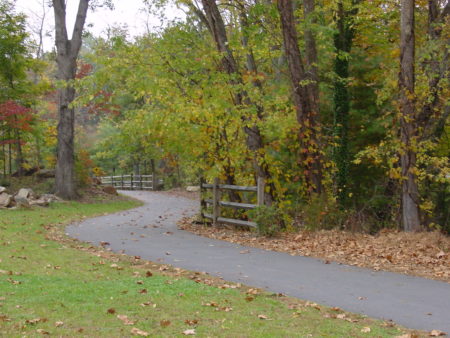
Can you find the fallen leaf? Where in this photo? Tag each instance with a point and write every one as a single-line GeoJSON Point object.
{"type": "Point", "coordinates": [125, 320]}
{"type": "Point", "coordinates": [191, 322]}
{"type": "Point", "coordinates": [440, 254]}
{"type": "Point", "coordinates": [226, 309]}
{"type": "Point", "coordinates": [437, 333]}
{"type": "Point", "coordinates": [365, 329]}
{"type": "Point", "coordinates": [139, 332]}
{"type": "Point", "coordinates": [189, 332]}
{"type": "Point", "coordinates": [165, 323]}
{"type": "Point", "coordinates": [148, 274]}
{"type": "Point", "coordinates": [111, 311]}
{"type": "Point", "coordinates": [35, 321]}
{"type": "Point", "coordinates": [262, 317]}
{"type": "Point", "coordinates": [4, 318]}
{"type": "Point", "coordinates": [42, 331]}
{"type": "Point", "coordinates": [143, 291]}
{"type": "Point", "coordinates": [59, 324]}
{"type": "Point", "coordinates": [249, 298]}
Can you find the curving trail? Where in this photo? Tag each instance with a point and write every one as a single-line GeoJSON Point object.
{"type": "Point", "coordinates": [150, 232]}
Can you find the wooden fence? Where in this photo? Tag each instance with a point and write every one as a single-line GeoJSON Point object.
{"type": "Point", "coordinates": [217, 204]}
{"type": "Point", "coordinates": [131, 182]}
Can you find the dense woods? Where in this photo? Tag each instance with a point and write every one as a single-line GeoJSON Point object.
{"type": "Point", "coordinates": [341, 106]}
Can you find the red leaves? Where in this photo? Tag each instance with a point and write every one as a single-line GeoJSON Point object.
{"type": "Point", "coordinates": [83, 70]}
{"type": "Point", "coordinates": [16, 116]}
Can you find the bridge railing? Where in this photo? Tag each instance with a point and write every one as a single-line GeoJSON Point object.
{"type": "Point", "coordinates": [132, 182]}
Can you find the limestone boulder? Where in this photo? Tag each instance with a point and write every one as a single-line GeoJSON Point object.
{"type": "Point", "coordinates": [26, 193]}
{"type": "Point", "coordinates": [41, 202]}
{"type": "Point", "coordinates": [50, 198]}
{"type": "Point", "coordinates": [5, 200]}
{"type": "Point", "coordinates": [22, 201]}
{"type": "Point", "coordinates": [46, 173]}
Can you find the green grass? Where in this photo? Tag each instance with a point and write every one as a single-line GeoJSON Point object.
{"type": "Point", "coordinates": [63, 281]}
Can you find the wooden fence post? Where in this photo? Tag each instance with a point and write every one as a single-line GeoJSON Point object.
{"type": "Point", "coordinates": [202, 200]}
{"type": "Point", "coordinates": [154, 182]}
{"type": "Point", "coordinates": [260, 191]}
{"type": "Point", "coordinates": [112, 181]}
{"type": "Point", "coordinates": [140, 181]}
{"type": "Point", "coordinates": [122, 181]}
{"type": "Point", "coordinates": [216, 200]}
{"type": "Point", "coordinates": [131, 182]}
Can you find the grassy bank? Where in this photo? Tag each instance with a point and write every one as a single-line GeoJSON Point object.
{"type": "Point", "coordinates": [66, 289]}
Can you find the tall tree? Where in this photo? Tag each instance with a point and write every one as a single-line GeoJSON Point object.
{"type": "Point", "coordinates": [13, 67]}
{"type": "Point", "coordinates": [241, 98]}
{"type": "Point", "coordinates": [67, 53]}
{"type": "Point", "coordinates": [342, 43]}
{"type": "Point", "coordinates": [304, 100]}
{"type": "Point", "coordinates": [437, 69]}
{"type": "Point", "coordinates": [408, 157]}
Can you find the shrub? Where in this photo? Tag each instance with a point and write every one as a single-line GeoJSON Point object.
{"type": "Point", "coordinates": [269, 220]}
{"type": "Point", "coordinates": [322, 212]}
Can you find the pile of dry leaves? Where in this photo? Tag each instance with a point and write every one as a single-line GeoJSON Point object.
{"type": "Point", "coordinates": [425, 254]}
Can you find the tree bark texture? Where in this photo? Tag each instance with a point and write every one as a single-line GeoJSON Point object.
{"type": "Point", "coordinates": [432, 116]}
{"type": "Point", "coordinates": [305, 106]}
{"type": "Point", "coordinates": [67, 53]}
{"type": "Point", "coordinates": [410, 192]}
{"type": "Point", "coordinates": [254, 140]}
{"type": "Point", "coordinates": [342, 43]}
{"type": "Point", "coordinates": [312, 72]}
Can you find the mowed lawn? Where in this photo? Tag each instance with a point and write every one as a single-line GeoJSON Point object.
{"type": "Point", "coordinates": [63, 288]}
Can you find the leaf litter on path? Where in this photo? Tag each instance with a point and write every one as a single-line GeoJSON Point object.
{"type": "Point", "coordinates": [424, 254]}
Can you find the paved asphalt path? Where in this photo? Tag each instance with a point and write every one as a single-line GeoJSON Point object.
{"type": "Point", "coordinates": [413, 302]}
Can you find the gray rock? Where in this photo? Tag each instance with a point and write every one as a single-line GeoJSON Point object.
{"type": "Point", "coordinates": [21, 201]}
{"type": "Point", "coordinates": [50, 198]}
{"type": "Point", "coordinates": [2, 189]}
{"type": "Point", "coordinates": [39, 202]}
{"type": "Point", "coordinates": [5, 200]}
{"type": "Point", "coordinates": [46, 173]}
{"type": "Point", "coordinates": [25, 193]}
{"type": "Point", "coordinates": [192, 188]}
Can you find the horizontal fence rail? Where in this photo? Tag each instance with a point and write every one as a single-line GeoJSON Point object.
{"type": "Point", "coordinates": [132, 182]}
{"type": "Point", "coordinates": [217, 204]}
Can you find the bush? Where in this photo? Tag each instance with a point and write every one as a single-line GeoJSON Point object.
{"type": "Point", "coordinates": [4, 182]}
{"type": "Point", "coordinates": [269, 220]}
{"type": "Point", "coordinates": [322, 212]}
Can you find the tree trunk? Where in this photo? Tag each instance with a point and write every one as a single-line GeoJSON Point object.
{"type": "Point", "coordinates": [310, 156]}
{"type": "Point", "coordinates": [254, 139]}
{"type": "Point", "coordinates": [432, 116]}
{"type": "Point", "coordinates": [342, 43]}
{"type": "Point", "coordinates": [312, 72]}
{"type": "Point", "coordinates": [19, 153]}
{"type": "Point", "coordinates": [410, 191]}
{"type": "Point", "coordinates": [67, 53]}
